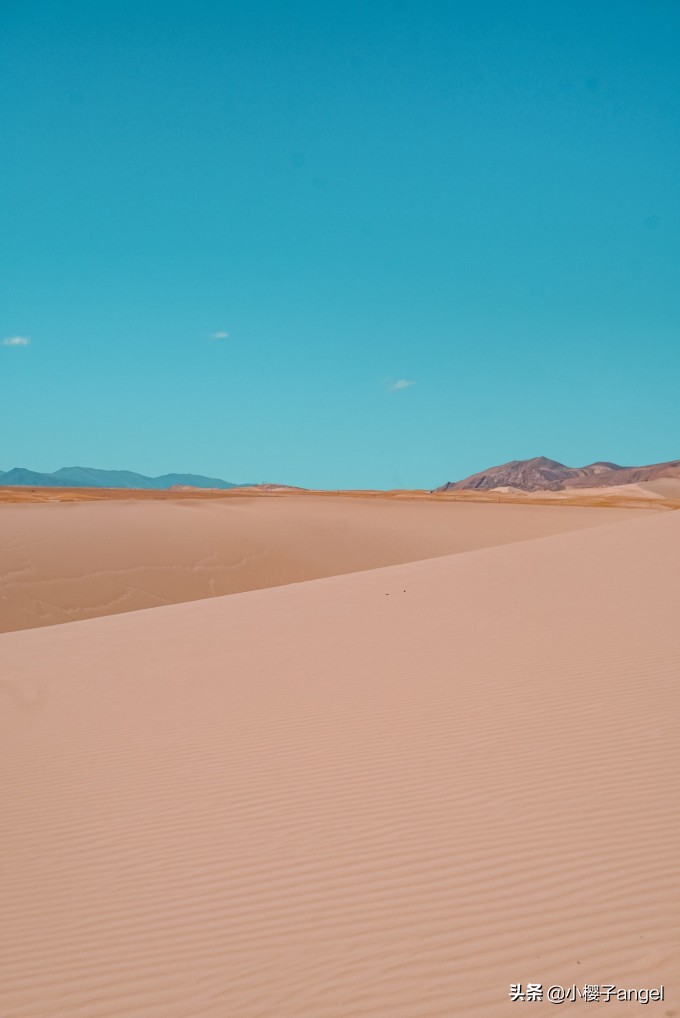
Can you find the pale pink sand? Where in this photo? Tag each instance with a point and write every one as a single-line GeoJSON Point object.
{"type": "Point", "coordinates": [61, 562]}
{"type": "Point", "coordinates": [391, 793]}
{"type": "Point", "coordinates": [666, 489]}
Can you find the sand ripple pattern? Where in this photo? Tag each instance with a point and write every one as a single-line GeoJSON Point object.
{"type": "Point", "coordinates": [387, 794]}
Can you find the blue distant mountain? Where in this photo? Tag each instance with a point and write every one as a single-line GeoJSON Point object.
{"type": "Point", "coordinates": [90, 477]}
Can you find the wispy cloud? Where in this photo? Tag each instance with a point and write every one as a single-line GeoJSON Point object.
{"type": "Point", "coordinates": [16, 341]}
{"type": "Point", "coordinates": [219, 335]}
{"type": "Point", "coordinates": [402, 383]}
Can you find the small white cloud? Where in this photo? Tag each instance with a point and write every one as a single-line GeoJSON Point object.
{"type": "Point", "coordinates": [219, 335]}
{"type": "Point", "coordinates": [402, 383]}
{"type": "Point", "coordinates": [16, 341]}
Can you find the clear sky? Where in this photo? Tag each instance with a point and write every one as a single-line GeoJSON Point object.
{"type": "Point", "coordinates": [478, 199]}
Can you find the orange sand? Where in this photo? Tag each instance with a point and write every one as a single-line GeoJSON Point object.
{"type": "Point", "coordinates": [61, 562]}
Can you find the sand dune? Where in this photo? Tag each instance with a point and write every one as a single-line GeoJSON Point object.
{"type": "Point", "coordinates": [666, 487]}
{"type": "Point", "coordinates": [663, 488]}
{"type": "Point", "coordinates": [391, 793]}
{"type": "Point", "coordinates": [61, 562]}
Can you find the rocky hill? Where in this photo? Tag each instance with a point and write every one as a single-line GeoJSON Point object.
{"type": "Point", "coordinates": [543, 474]}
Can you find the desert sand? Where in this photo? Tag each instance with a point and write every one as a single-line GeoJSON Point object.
{"type": "Point", "coordinates": [666, 489]}
{"type": "Point", "coordinates": [64, 561]}
{"type": "Point", "coordinates": [390, 793]}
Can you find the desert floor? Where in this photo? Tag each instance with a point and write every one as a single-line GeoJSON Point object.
{"type": "Point", "coordinates": [384, 757]}
{"type": "Point", "coordinates": [66, 559]}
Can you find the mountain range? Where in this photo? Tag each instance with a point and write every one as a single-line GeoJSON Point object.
{"type": "Point", "coordinates": [538, 474]}
{"type": "Point", "coordinates": [543, 474]}
{"type": "Point", "coordinates": [91, 477]}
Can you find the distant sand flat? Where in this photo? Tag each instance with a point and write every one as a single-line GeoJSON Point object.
{"type": "Point", "coordinates": [63, 561]}
{"type": "Point", "coordinates": [389, 794]}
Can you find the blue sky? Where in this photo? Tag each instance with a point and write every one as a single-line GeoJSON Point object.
{"type": "Point", "coordinates": [478, 199]}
